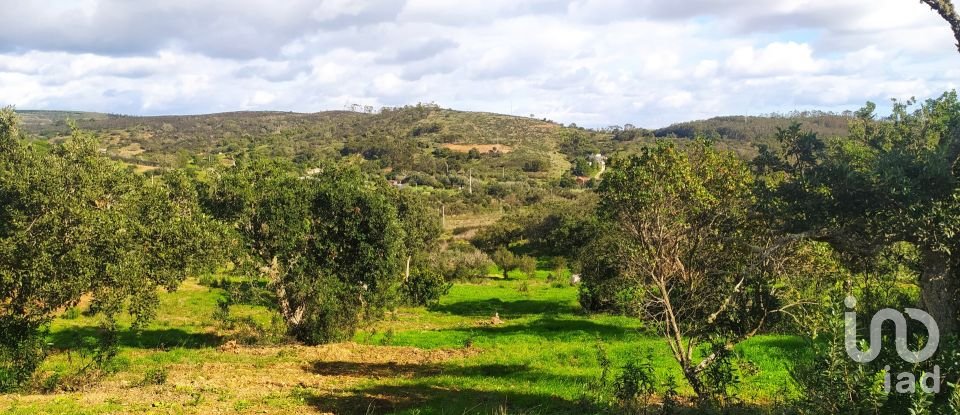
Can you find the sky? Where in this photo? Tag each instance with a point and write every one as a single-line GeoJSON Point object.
{"type": "Point", "coordinates": [590, 62]}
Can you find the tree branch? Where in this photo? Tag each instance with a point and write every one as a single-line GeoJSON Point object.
{"type": "Point", "coordinates": [947, 12]}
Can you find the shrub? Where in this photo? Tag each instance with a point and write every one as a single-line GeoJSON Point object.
{"type": "Point", "coordinates": [154, 376]}
{"type": "Point", "coordinates": [465, 263]}
{"type": "Point", "coordinates": [536, 165]}
{"type": "Point", "coordinates": [422, 179]}
{"type": "Point", "coordinates": [424, 288]}
{"type": "Point", "coordinates": [636, 385]}
{"type": "Point", "coordinates": [425, 128]}
{"type": "Point", "coordinates": [21, 352]}
{"type": "Point", "coordinates": [527, 265]}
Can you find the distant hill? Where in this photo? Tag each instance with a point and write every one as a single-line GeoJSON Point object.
{"type": "Point", "coordinates": [407, 140]}
{"type": "Point", "coordinates": [172, 140]}
{"type": "Point", "coordinates": [757, 129]}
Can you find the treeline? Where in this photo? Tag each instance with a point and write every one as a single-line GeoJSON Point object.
{"type": "Point", "coordinates": [759, 129]}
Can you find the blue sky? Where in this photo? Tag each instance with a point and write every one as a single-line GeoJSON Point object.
{"type": "Point", "coordinates": [590, 62]}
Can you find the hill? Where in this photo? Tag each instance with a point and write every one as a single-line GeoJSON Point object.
{"type": "Point", "coordinates": [152, 139]}
{"type": "Point", "coordinates": [429, 144]}
{"type": "Point", "coordinates": [756, 129]}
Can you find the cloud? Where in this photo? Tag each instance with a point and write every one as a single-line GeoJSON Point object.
{"type": "Point", "coordinates": [220, 28]}
{"type": "Point", "coordinates": [592, 62]}
{"type": "Point", "coordinates": [775, 59]}
{"type": "Point", "coordinates": [418, 51]}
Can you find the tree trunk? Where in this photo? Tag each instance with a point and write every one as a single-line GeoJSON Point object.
{"type": "Point", "coordinates": [938, 290]}
{"type": "Point", "coordinates": [406, 273]}
{"type": "Point", "coordinates": [690, 373]}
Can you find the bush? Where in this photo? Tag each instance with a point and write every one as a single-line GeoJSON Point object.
{"type": "Point", "coordinates": [463, 261]}
{"type": "Point", "coordinates": [154, 376]}
{"type": "Point", "coordinates": [426, 128]}
{"type": "Point", "coordinates": [636, 385]}
{"type": "Point", "coordinates": [527, 265]}
{"type": "Point", "coordinates": [831, 382]}
{"type": "Point", "coordinates": [21, 352]}
{"type": "Point", "coordinates": [422, 179]}
{"type": "Point", "coordinates": [559, 267]}
{"type": "Point", "coordinates": [603, 287]}
{"type": "Point", "coordinates": [537, 165]}
{"type": "Point", "coordinates": [424, 288]}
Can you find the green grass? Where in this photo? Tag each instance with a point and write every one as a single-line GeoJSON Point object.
{"type": "Point", "coordinates": [545, 353]}
{"type": "Point", "coordinates": [541, 359]}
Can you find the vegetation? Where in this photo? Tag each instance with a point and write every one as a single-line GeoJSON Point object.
{"type": "Point", "coordinates": [76, 224]}
{"type": "Point", "coordinates": [466, 262]}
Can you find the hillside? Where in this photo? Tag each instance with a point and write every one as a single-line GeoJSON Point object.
{"type": "Point", "coordinates": [155, 139]}
{"type": "Point", "coordinates": [430, 144]}
{"type": "Point", "coordinates": [755, 129]}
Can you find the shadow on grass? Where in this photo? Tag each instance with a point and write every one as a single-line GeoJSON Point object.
{"type": "Point", "coordinates": [387, 399]}
{"type": "Point", "coordinates": [407, 370]}
{"type": "Point", "coordinates": [77, 337]}
{"type": "Point", "coordinates": [507, 309]}
{"type": "Point", "coordinates": [553, 328]}
{"type": "Point", "coordinates": [494, 372]}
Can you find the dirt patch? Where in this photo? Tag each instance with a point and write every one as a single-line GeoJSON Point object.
{"type": "Point", "coordinates": [130, 150]}
{"type": "Point", "coordinates": [288, 379]}
{"type": "Point", "coordinates": [142, 168]}
{"type": "Point", "coordinates": [482, 148]}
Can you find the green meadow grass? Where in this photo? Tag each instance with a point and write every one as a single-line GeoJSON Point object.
{"type": "Point", "coordinates": [542, 358]}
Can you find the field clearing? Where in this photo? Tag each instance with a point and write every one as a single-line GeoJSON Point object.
{"type": "Point", "coordinates": [466, 226]}
{"type": "Point", "coordinates": [447, 359]}
{"type": "Point", "coordinates": [482, 148]}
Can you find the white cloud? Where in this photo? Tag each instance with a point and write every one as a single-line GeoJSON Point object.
{"type": "Point", "coordinates": [593, 62]}
{"type": "Point", "coordinates": [775, 59]}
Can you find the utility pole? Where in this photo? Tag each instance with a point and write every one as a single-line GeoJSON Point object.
{"type": "Point", "coordinates": [470, 181]}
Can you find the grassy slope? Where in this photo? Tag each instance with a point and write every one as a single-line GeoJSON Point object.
{"type": "Point", "coordinates": [447, 359]}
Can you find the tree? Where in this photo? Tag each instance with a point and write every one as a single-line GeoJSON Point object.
{"type": "Point", "coordinates": [331, 243]}
{"type": "Point", "coordinates": [421, 228]}
{"type": "Point", "coordinates": [423, 281]}
{"type": "Point", "coordinates": [947, 11]}
{"type": "Point", "coordinates": [583, 167]}
{"type": "Point", "coordinates": [75, 223]}
{"type": "Point", "coordinates": [892, 181]}
{"type": "Point", "coordinates": [677, 230]}
{"type": "Point", "coordinates": [505, 260]}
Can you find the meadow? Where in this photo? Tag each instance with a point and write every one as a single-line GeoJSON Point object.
{"type": "Point", "coordinates": [543, 356]}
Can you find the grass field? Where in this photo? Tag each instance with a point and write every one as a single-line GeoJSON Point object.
{"type": "Point", "coordinates": [448, 359]}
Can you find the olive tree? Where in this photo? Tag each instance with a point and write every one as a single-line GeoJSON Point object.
{"type": "Point", "coordinates": [330, 243]}
{"type": "Point", "coordinates": [677, 233]}
{"type": "Point", "coordinates": [75, 223]}
{"type": "Point", "coordinates": [892, 181]}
